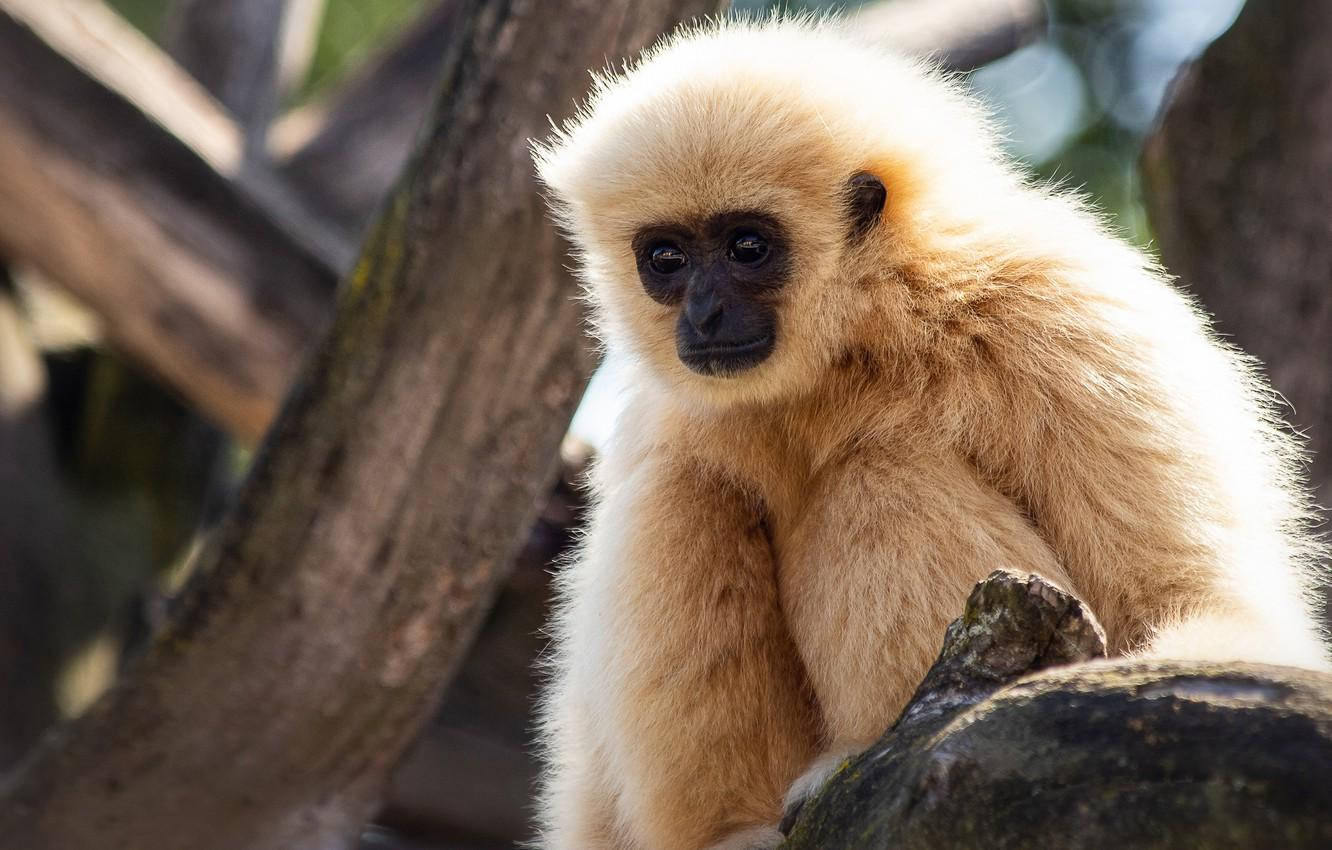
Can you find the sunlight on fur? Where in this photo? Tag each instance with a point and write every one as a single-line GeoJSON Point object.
{"type": "Point", "coordinates": [987, 377]}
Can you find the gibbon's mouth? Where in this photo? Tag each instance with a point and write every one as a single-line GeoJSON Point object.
{"type": "Point", "coordinates": [726, 359]}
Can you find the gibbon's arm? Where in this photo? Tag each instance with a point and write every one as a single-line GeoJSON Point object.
{"type": "Point", "coordinates": [1145, 453]}
{"type": "Point", "coordinates": [674, 664]}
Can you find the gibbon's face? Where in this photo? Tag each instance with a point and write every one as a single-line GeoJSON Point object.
{"type": "Point", "coordinates": [724, 275]}
{"type": "Point", "coordinates": [721, 274]}
{"type": "Point", "coordinates": [740, 199]}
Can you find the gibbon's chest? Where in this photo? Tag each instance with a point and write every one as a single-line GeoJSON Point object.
{"type": "Point", "coordinates": [803, 463]}
{"type": "Point", "coordinates": [788, 474]}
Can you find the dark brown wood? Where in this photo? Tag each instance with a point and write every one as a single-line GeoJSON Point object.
{"type": "Point", "coordinates": [1129, 753]}
{"type": "Point", "coordinates": [342, 591]}
{"type": "Point", "coordinates": [36, 550]}
{"type": "Point", "coordinates": [122, 181]}
{"type": "Point", "coordinates": [1237, 178]}
{"type": "Point", "coordinates": [472, 773]}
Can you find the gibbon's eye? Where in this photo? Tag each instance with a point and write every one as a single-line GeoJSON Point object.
{"type": "Point", "coordinates": [666, 259]}
{"type": "Point", "coordinates": [748, 249]}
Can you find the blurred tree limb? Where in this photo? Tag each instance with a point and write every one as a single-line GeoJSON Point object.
{"type": "Point", "coordinates": [960, 35]}
{"type": "Point", "coordinates": [344, 150]}
{"type": "Point", "coordinates": [1236, 178]}
{"type": "Point", "coordinates": [340, 594]}
{"type": "Point", "coordinates": [235, 49]}
{"type": "Point", "coordinates": [122, 180]}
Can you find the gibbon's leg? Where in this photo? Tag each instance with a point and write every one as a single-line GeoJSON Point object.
{"type": "Point", "coordinates": [887, 551]}
{"type": "Point", "coordinates": [674, 648]}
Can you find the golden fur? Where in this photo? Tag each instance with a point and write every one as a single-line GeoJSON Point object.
{"type": "Point", "coordinates": [989, 379]}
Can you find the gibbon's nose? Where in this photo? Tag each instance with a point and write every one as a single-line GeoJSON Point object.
{"type": "Point", "coordinates": [704, 311]}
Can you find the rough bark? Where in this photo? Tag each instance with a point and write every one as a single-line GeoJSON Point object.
{"type": "Point", "coordinates": [471, 776]}
{"type": "Point", "coordinates": [119, 178]}
{"type": "Point", "coordinates": [1236, 179]}
{"type": "Point", "coordinates": [341, 592]}
{"type": "Point", "coordinates": [1110, 754]}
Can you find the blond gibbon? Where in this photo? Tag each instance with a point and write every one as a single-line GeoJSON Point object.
{"type": "Point", "coordinates": [871, 362]}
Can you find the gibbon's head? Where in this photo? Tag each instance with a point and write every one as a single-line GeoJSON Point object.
{"type": "Point", "coordinates": [743, 198]}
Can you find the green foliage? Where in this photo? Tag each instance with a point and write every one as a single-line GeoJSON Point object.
{"type": "Point", "coordinates": [351, 31]}
{"type": "Point", "coordinates": [146, 15]}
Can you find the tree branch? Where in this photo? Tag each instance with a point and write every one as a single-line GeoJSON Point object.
{"type": "Point", "coordinates": [121, 180]}
{"type": "Point", "coordinates": [960, 35]}
{"type": "Point", "coordinates": [232, 49]}
{"type": "Point", "coordinates": [1127, 753]}
{"type": "Point", "coordinates": [344, 151]}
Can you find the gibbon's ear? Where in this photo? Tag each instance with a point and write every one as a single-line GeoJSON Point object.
{"type": "Point", "coordinates": [865, 197]}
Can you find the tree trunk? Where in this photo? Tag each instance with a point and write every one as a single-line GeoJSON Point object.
{"type": "Point", "coordinates": [1237, 182]}
{"type": "Point", "coordinates": [1121, 754]}
{"type": "Point", "coordinates": [343, 589]}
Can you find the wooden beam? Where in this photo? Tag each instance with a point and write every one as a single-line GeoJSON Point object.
{"type": "Point", "coordinates": [339, 597]}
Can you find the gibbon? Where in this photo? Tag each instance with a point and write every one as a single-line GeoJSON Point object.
{"type": "Point", "coordinates": [871, 362]}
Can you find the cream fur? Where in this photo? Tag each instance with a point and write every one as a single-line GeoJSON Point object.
{"type": "Point", "coordinates": [990, 379]}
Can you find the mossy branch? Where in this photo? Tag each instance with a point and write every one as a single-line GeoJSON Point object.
{"type": "Point", "coordinates": [1022, 736]}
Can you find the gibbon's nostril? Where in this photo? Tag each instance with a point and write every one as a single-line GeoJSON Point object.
{"type": "Point", "coordinates": [704, 311]}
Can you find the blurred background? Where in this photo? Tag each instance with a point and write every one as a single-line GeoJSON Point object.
{"type": "Point", "coordinates": [108, 473]}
